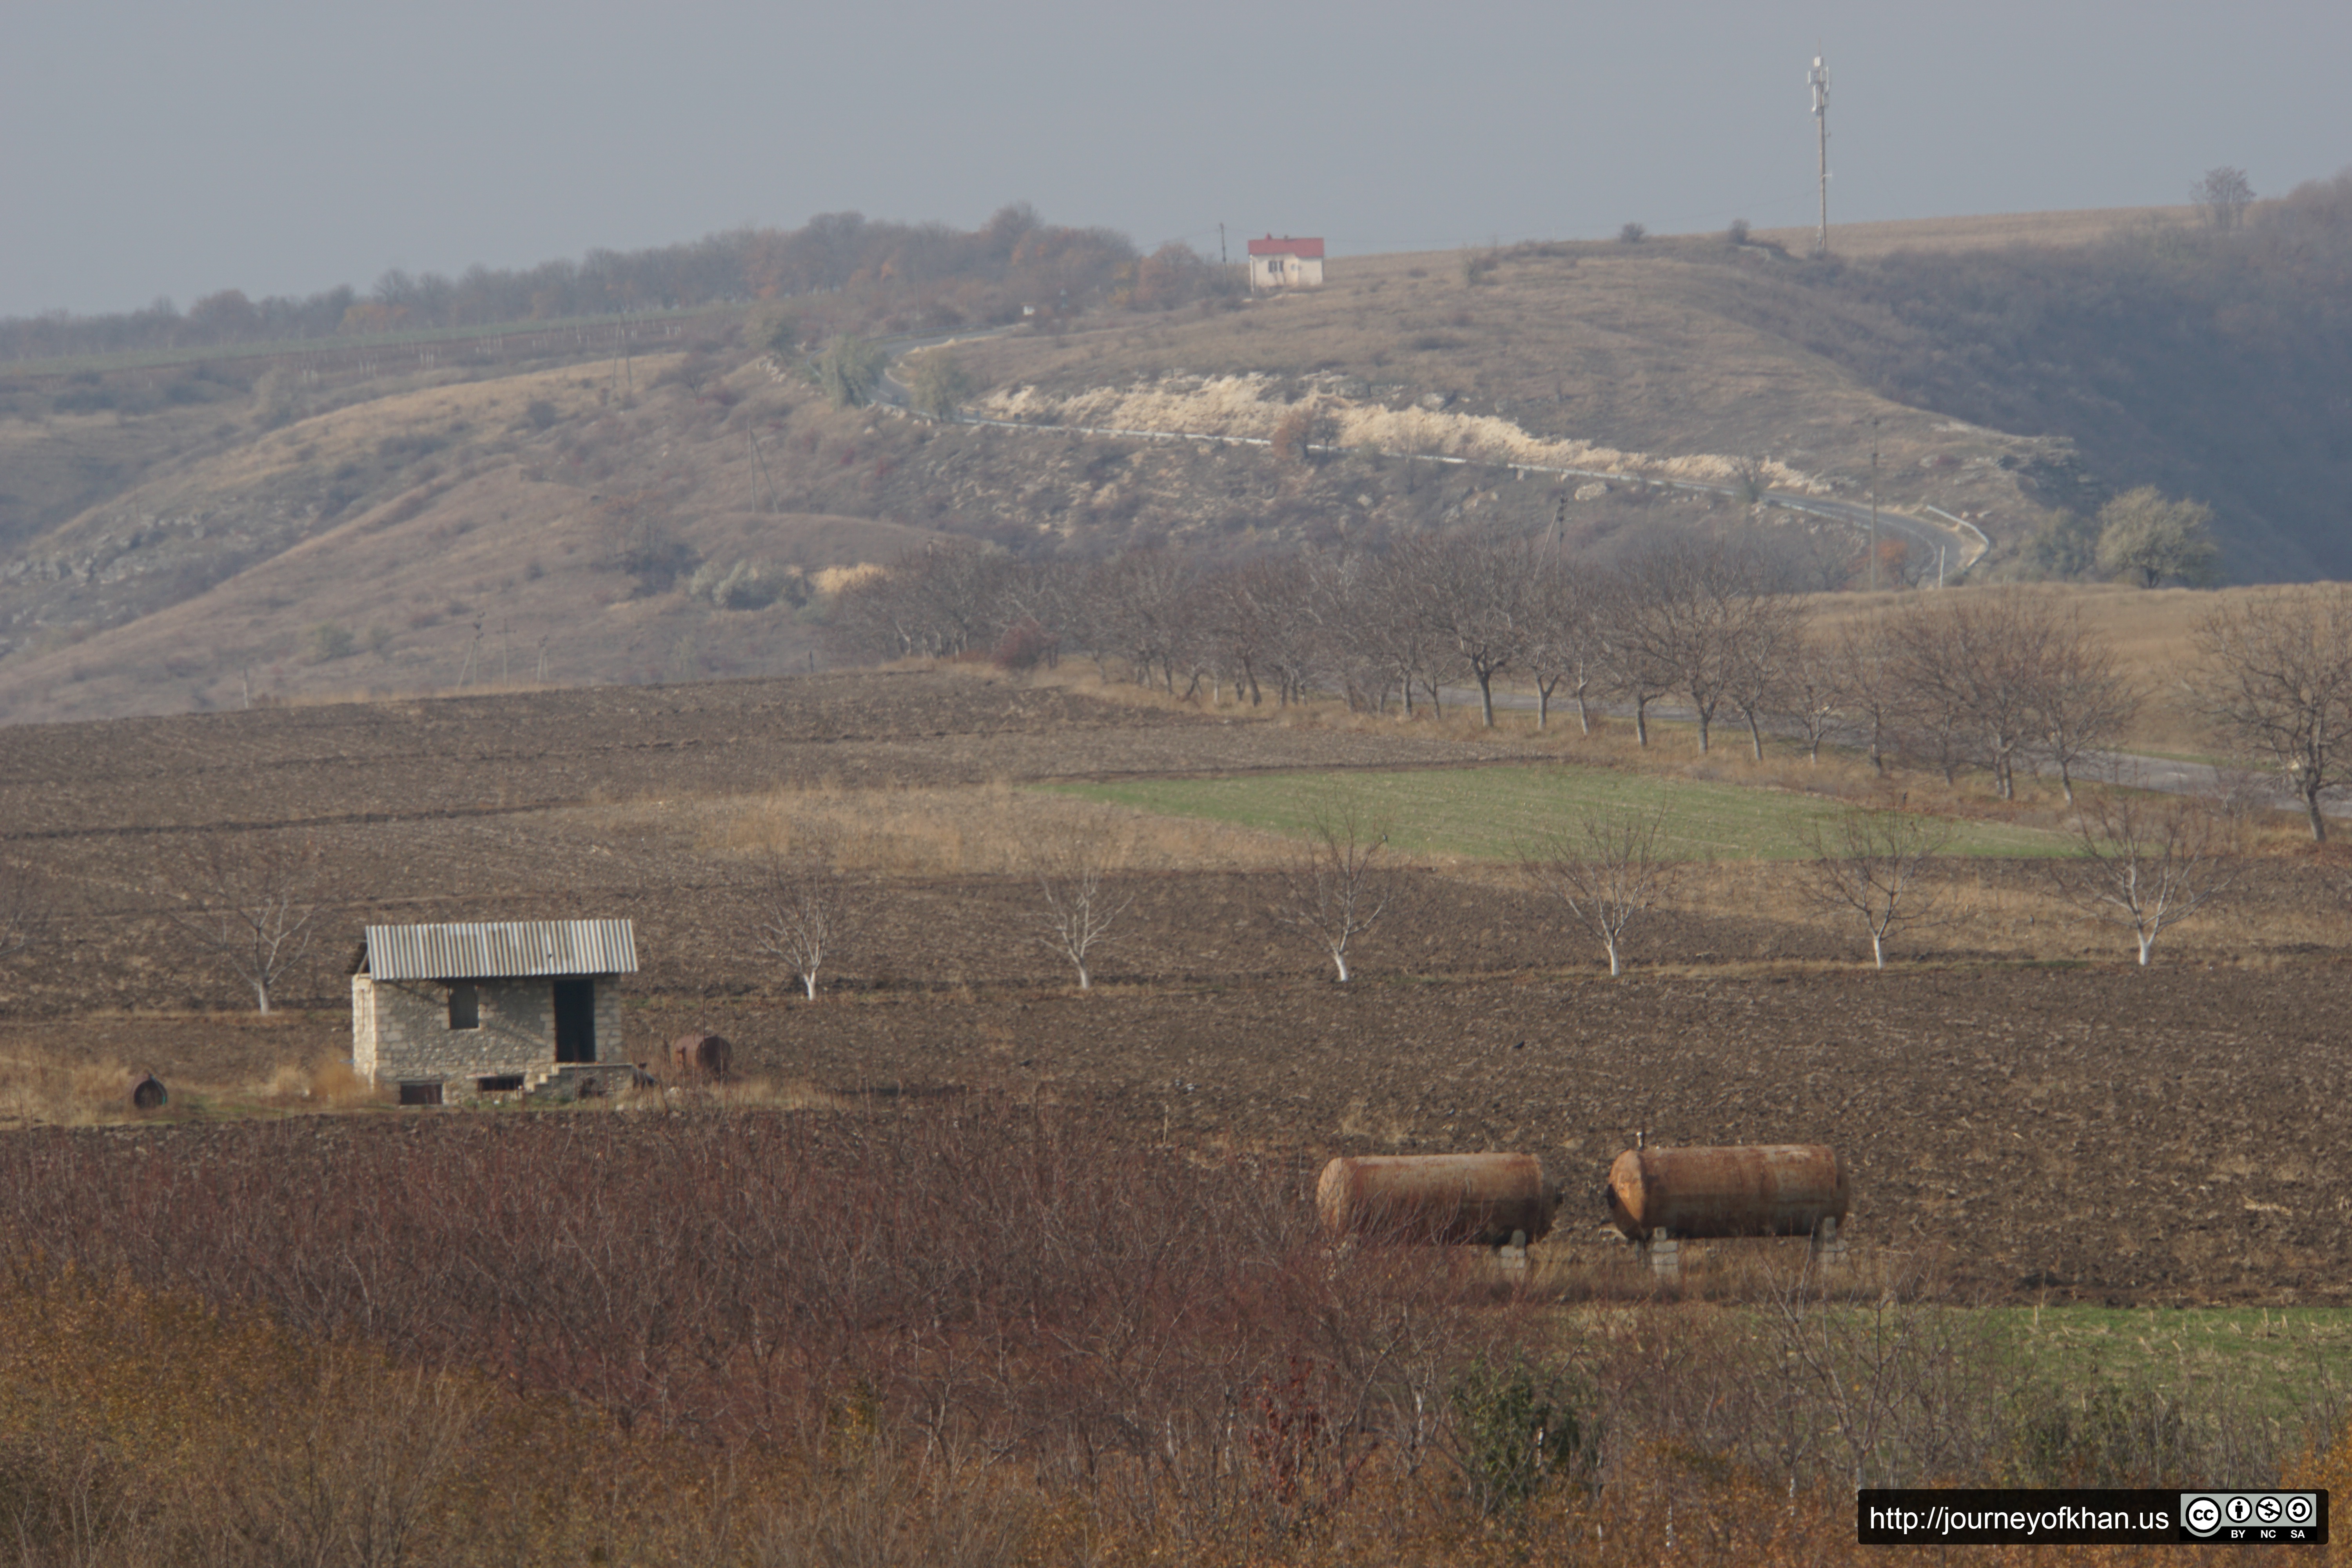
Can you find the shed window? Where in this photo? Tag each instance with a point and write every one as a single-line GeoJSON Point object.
{"type": "Point", "coordinates": [464, 1006]}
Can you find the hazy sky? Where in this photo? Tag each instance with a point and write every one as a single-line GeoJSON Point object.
{"type": "Point", "coordinates": [284, 146]}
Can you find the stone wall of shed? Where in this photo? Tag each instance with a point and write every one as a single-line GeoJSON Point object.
{"type": "Point", "coordinates": [401, 1033]}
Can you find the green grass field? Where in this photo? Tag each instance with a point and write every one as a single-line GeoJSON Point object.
{"type": "Point", "coordinates": [2276, 1362]}
{"type": "Point", "coordinates": [1497, 813]}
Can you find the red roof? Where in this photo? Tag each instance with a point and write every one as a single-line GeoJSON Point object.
{"type": "Point", "coordinates": [1310, 249]}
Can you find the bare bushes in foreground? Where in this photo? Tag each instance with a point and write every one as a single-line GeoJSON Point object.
{"type": "Point", "coordinates": [1148, 1329]}
{"type": "Point", "coordinates": [973, 1335]}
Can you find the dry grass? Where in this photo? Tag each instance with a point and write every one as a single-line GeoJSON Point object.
{"type": "Point", "coordinates": [59, 1089]}
{"type": "Point", "coordinates": [979, 831]}
{"type": "Point", "coordinates": [1986, 231]}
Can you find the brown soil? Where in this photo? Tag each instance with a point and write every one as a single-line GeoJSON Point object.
{"type": "Point", "coordinates": [2104, 1133]}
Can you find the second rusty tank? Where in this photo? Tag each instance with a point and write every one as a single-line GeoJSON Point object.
{"type": "Point", "coordinates": [702, 1056]}
{"type": "Point", "coordinates": [1469, 1200]}
{"type": "Point", "coordinates": [1758, 1189]}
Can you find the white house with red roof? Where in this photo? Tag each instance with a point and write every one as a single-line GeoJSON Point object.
{"type": "Point", "coordinates": [1285, 263]}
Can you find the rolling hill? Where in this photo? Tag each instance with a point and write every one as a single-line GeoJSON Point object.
{"type": "Point", "coordinates": [658, 497]}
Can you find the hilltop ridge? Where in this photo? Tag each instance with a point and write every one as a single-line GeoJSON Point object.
{"type": "Point", "coordinates": [665, 498]}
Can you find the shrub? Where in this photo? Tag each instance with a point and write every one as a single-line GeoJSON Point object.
{"type": "Point", "coordinates": [741, 586]}
{"type": "Point", "coordinates": [1515, 1431]}
{"type": "Point", "coordinates": [330, 641]}
{"type": "Point", "coordinates": [1632, 234]}
{"type": "Point", "coordinates": [1025, 645]}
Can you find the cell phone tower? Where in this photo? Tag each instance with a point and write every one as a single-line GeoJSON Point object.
{"type": "Point", "coordinates": [1820, 80]}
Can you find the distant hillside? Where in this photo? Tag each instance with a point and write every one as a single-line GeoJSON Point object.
{"type": "Point", "coordinates": [2212, 365]}
{"type": "Point", "coordinates": [650, 499]}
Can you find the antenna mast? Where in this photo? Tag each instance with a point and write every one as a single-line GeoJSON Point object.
{"type": "Point", "coordinates": [1819, 79]}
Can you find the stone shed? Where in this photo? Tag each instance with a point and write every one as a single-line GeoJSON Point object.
{"type": "Point", "coordinates": [460, 1012]}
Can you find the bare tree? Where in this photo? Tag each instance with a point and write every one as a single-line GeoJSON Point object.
{"type": "Point", "coordinates": [1869, 679]}
{"type": "Point", "coordinates": [1074, 864]}
{"type": "Point", "coordinates": [249, 904]}
{"type": "Point", "coordinates": [1691, 614]}
{"type": "Point", "coordinates": [1764, 646]}
{"type": "Point", "coordinates": [1609, 871]}
{"type": "Point", "coordinates": [1877, 864]}
{"type": "Point", "coordinates": [1481, 596]}
{"type": "Point", "coordinates": [2083, 702]}
{"type": "Point", "coordinates": [2148, 864]}
{"type": "Point", "coordinates": [1812, 692]}
{"type": "Point", "coordinates": [1339, 884]}
{"type": "Point", "coordinates": [2221, 196]}
{"type": "Point", "coordinates": [2278, 672]}
{"type": "Point", "coordinates": [1636, 634]}
{"type": "Point", "coordinates": [1564, 641]}
{"type": "Point", "coordinates": [796, 912]}
{"type": "Point", "coordinates": [1975, 668]}
{"type": "Point", "coordinates": [1389, 614]}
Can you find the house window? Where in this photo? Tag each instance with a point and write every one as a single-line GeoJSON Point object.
{"type": "Point", "coordinates": [420, 1094]}
{"type": "Point", "coordinates": [464, 1006]}
{"type": "Point", "coordinates": [498, 1083]}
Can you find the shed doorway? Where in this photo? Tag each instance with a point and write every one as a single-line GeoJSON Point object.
{"type": "Point", "coordinates": [575, 1020]}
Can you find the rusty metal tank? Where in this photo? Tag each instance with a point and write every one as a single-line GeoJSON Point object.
{"type": "Point", "coordinates": [1758, 1189]}
{"type": "Point", "coordinates": [1471, 1200]}
{"type": "Point", "coordinates": [701, 1055]}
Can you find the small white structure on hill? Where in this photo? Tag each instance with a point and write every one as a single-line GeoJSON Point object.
{"type": "Point", "coordinates": [463, 1011]}
{"type": "Point", "coordinates": [1285, 263]}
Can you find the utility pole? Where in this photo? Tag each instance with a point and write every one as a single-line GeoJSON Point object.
{"type": "Point", "coordinates": [1820, 81]}
{"type": "Point", "coordinates": [1222, 259]}
{"type": "Point", "coordinates": [1873, 503]}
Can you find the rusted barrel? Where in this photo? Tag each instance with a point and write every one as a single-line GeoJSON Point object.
{"type": "Point", "coordinates": [1762, 1189]}
{"type": "Point", "coordinates": [1471, 1200]}
{"type": "Point", "coordinates": [701, 1055]}
{"type": "Point", "coordinates": [147, 1092]}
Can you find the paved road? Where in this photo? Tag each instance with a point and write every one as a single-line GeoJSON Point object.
{"type": "Point", "coordinates": [892, 392]}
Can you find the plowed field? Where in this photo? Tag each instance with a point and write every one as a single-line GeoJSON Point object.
{"type": "Point", "coordinates": [2097, 1132]}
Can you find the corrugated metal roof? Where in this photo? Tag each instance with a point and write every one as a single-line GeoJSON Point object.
{"type": "Point", "coordinates": [1305, 250]}
{"type": "Point", "coordinates": [483, 951]}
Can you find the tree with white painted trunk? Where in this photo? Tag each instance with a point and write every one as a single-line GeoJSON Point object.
{"type": "Point", "coordinates": [798, 914]}
{"type": "Point", "coordinates": [1607, 871]}
{"type": "Point", "coordinates": [249, 903]}
{"type": "Point", "coordinates": [1075, 866]}
{"type": "Point", "coordinates": [2147, 863]}
{"type": "Point", "coordinates": [1340, 883]}
{"type": "Point", "coordinates": [1878, 866]}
